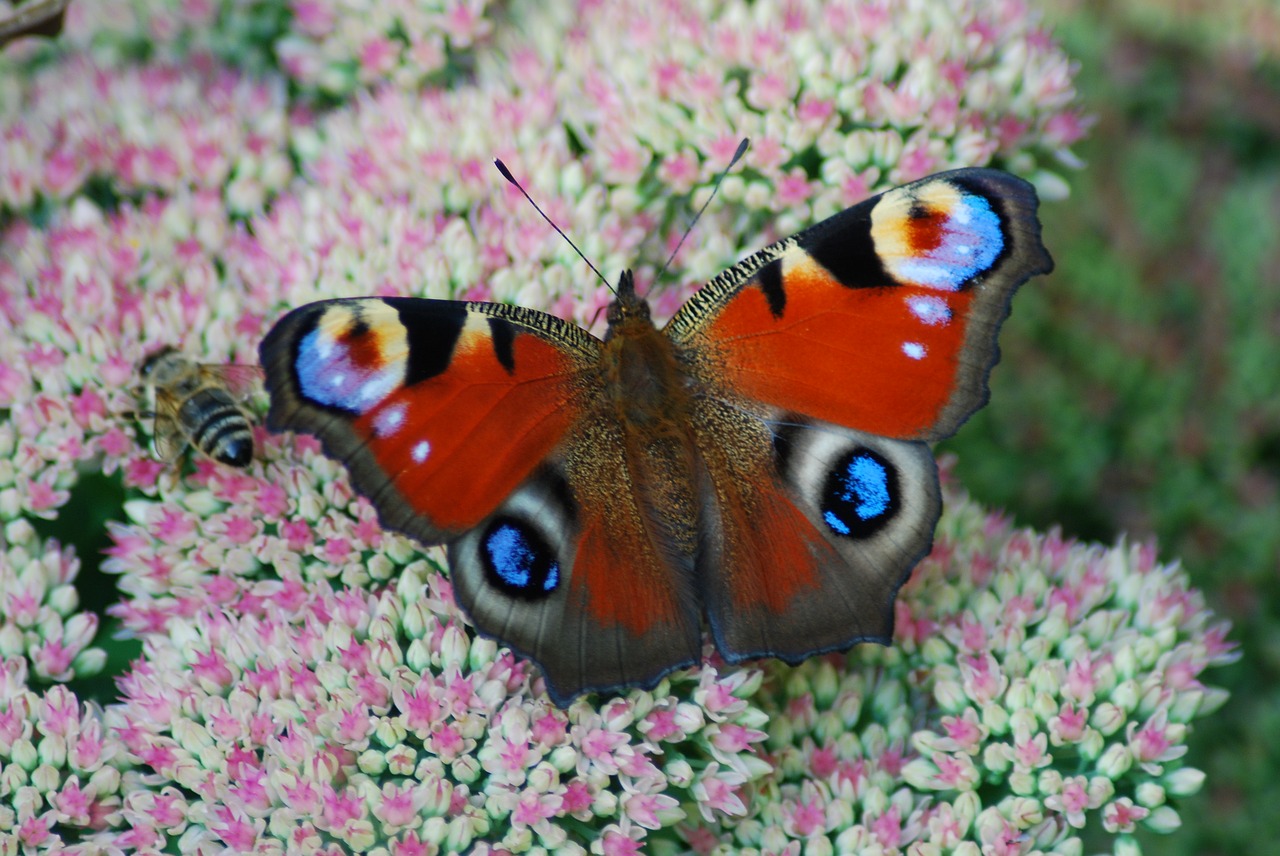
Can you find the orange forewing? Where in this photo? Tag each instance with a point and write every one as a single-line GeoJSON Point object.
{"type": "Point", "coordinates": [487, 429]}
{"type": "Point", "coordinates": [882, 318]}
{"type": "Point", "coordinates": [440, 409]}
{"type": "Point", "coordinates": [838, 354]}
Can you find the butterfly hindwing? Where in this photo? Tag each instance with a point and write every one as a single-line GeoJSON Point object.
{"type": "Point", "coordinates": [882, 318]}
{"type": "Point", "coordinates": [817, 528]}
{"type": "Point", "coordinates": [574, 579]}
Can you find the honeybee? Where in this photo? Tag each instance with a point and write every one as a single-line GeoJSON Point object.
{"type": "Point", "coordinates": [199, 404]}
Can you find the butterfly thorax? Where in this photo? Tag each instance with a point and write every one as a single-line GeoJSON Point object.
{"type": "Point", "coordinates": [642, 373]}
{"type": "Point", "coordinates": [648, 393]}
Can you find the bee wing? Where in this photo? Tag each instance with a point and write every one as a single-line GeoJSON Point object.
{"type": "Point", "coordinates": [167, 437]}
{"type": "Point", "coordinates": [239, 379]}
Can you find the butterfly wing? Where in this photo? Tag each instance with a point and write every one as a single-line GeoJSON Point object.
{"type": "Point", "coordinates": [815, 528]}
{"type": "Point", "coordinates": [569, 572]}
{"type": "Point", "coordinates": [439, 409]}
{"type": "Point", "coordinates": [882, 318]}
{"type": "Point", "coordinates": [822, 363]}
{"type": "Point", "coordinates": [482, 425]}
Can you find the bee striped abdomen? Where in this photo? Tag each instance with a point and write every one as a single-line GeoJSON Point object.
{"type": "Point", "coordinates": [218, 427]}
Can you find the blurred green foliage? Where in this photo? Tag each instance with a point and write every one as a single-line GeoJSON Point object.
{"type": "Point", "coordinates": [1139, 389]}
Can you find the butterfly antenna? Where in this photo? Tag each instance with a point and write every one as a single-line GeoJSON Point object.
{"type": "Point", "coordinates": [737, 156]}
{"type": "Point", "coordinates": [506, 173]}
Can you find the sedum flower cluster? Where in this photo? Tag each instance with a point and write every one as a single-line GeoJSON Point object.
{"type": "Point", "coordinates": [323, 48]}
{"type": "Point", "coordinates": [60, 770]}
{"type": "Point", "coordinates": [1036, 688]}
{"type": "Point", "coordinates": [40, 630]}
{"type": "Point", "coordinates": [358, 722]}
{"type": "Point", "coordinates": [79, 128]}
{"type": "Point", "coordinates": [307, 683]}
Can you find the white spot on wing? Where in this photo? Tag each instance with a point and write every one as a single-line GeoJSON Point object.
{"type": "Point", "coordinates": [931, 310]}
{"type": "Point", "coordinates": [389, 421]}
{"type": "Point", "coordinates": [420, 451]}
{"type": "Point", "coordinates": [914, 350]}
{"type": "Point", "coordinates": [929, 273]}
{"type": "Point", "coordinates": [378, 386]}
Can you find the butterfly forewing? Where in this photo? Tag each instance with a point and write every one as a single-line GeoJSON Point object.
{"type": "Point", "coordinates": [440, 409]}
{"type": "Point", "coordinates": [882, 318]}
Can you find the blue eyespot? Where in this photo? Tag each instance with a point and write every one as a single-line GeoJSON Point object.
{"type": "Point", "coordinates": [329, 376]}
{"type": "Point", "coordinates": [968, 242]}
{"type": "Point", "coordinates": [861, 494]}
{"type": "Point", "coordinates": [518, 560]}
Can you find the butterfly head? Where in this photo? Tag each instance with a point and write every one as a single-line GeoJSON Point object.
{"type": "Point", "coordinates": [628, 309]}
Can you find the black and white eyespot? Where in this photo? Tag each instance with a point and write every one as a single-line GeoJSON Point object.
{"type": "Point", "coordinates": [861, 493]}
{"type": "Point", "coordinates": [855, 486]}
{"type": "Point", "coordinates": [517, 559]}
{"type": "Point", "coordinates": [520, 550]}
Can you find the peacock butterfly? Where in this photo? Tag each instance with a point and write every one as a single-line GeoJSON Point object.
{"type": "Point", "coordinates": [762, 459]}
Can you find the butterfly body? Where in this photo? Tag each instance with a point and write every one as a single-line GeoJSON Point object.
{"type": "Point", "coordinates": [759, 464]}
